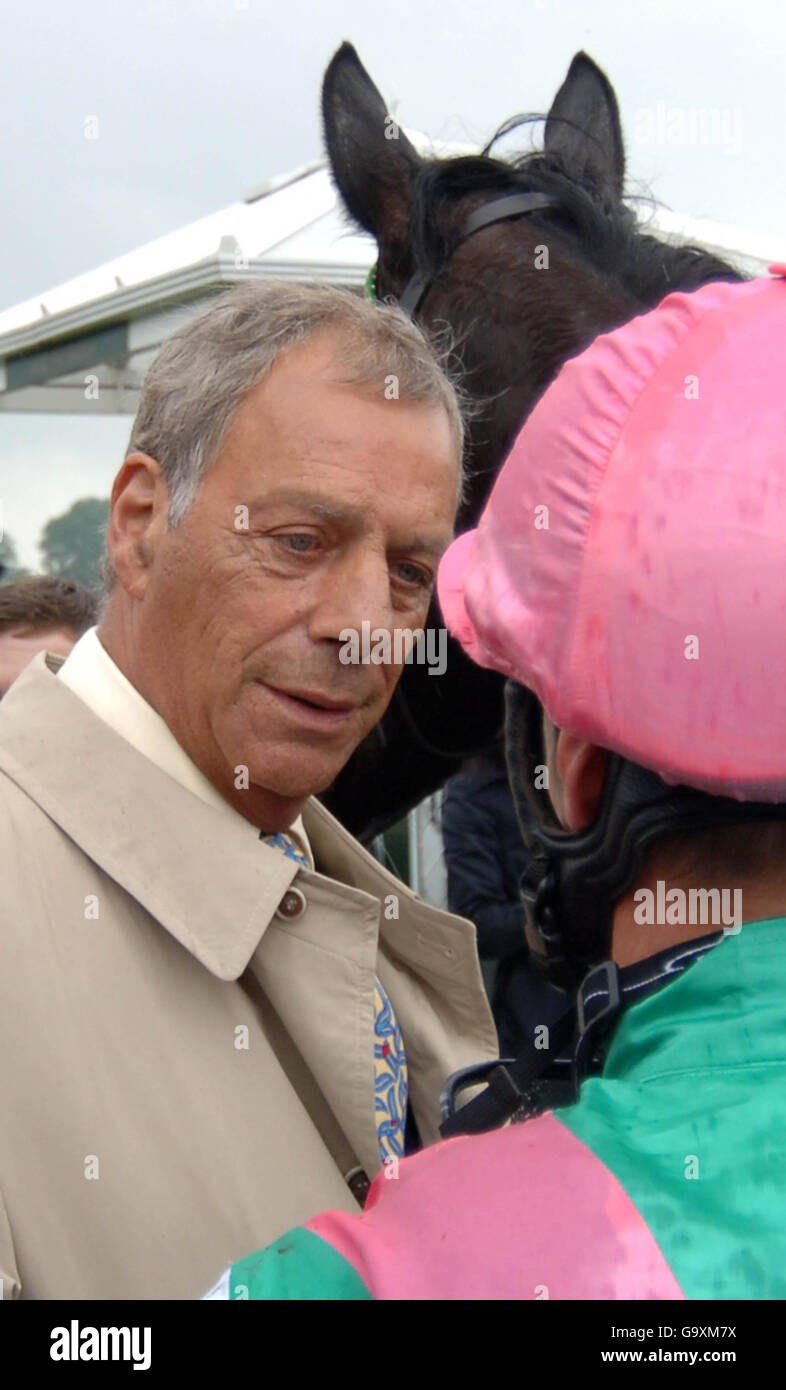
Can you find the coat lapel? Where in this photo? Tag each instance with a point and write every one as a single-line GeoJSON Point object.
{"type": "Point", "coordinates": [331, 954]}
{"type": "Point", "coordinates": [213, 887]}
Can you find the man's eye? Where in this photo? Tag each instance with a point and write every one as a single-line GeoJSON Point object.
{"type": "Point", "coordinates": [413, 574]}
{"type": "Point", "coordinates": [300, 543]}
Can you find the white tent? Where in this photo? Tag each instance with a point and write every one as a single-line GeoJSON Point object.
{"type": "Point", "coordinates": [84, 346]}
{"type": "Point", "coordinates": [109, 323]}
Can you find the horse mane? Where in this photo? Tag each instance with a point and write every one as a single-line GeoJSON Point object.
{"type": "Point", "coordinates": [592, 218]}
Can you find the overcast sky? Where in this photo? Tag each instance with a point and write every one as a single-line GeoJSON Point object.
{"type": "Point", "coordinates": [199, 101]}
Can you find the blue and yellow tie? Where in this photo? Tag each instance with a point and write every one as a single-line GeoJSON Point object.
{"type": "Point", "coordinates": [288, 845]}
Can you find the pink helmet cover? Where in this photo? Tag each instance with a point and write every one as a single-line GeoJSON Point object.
{"type": "Point", "coordinates": [630, 564]}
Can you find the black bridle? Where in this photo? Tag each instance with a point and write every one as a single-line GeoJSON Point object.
{"type": "Point", "coordinates": [500, 210]}
{"type": "Point", "coordinates": [410, 300]}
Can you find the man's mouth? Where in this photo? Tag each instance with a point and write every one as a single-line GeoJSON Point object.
{"type": "Point", "coordinates": [313, 706]}
{"type": "Point", "coordinates": [317, 699]}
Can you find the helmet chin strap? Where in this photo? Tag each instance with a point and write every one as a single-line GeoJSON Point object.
{"type": "Point", "coordinates": [570, 889]}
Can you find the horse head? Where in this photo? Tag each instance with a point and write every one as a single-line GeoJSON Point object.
{"type": "Point", "coordinates": [513, 288]}
{"type": "Point", "coordinates": [520, 294]}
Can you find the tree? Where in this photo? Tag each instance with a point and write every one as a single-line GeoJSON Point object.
{"type": "Point", "coordinates": [10, 569]}
{"type": "Point", "coordinates": [73, 543]}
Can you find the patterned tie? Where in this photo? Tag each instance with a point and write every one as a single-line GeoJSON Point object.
{"type": "Point", "coordinates": [391, 1084]}
{"type": "Point", "coordinates": [288, 845]}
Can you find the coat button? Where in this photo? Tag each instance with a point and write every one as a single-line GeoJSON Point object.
{"type": "Point", "coordinates": [359, 1183]}
{"type": "Point", "coordinates": [292, 905]}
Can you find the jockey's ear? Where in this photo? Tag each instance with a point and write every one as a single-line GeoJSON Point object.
{"type": "Point", "coordinates": [583, 128]}
{"type": "Point", "coordinates": [372, 160]}
{"type": "Point", "coordinates": [581, 767]}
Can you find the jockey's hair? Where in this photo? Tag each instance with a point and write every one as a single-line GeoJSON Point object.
{"type": "Point", "coordinates": [202, 374]}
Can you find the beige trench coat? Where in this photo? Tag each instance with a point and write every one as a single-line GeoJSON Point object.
{"type": "Point", "coordinates": [152, 1130]}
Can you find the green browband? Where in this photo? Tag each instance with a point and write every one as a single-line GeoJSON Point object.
{"type": "Point", "coordinates": [371, 282]}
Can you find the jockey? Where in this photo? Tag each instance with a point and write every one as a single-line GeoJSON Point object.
{"type": "Point", "coordinates": [628, 576]}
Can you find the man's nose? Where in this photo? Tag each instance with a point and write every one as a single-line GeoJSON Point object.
{"type": "Point", "coordinates": [356, 589]}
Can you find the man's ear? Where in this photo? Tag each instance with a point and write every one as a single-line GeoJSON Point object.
{"type": "Point", "coordinates": [581, 767]}
{"type": "Point", "coordinates": [137, 518]}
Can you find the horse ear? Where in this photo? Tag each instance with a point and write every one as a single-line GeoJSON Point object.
{"type": "Point", "coordinates": [372, 160]}
{"type": "Point", "coordinates": [583, 126]}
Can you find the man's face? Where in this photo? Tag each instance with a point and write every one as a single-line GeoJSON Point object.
{"type": "Point", "coordinates": [19, 646]}
{"type": "Point", "coordinates": [350, 501]}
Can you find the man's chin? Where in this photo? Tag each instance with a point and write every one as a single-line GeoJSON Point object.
{"type": "Point", "coordinates": [297, 782]}
{"type": "Point", "coordinates": [289, 765]}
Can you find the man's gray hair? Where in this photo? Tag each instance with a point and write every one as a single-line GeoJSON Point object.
{"type": "Point", "coordinates": [203, 372]}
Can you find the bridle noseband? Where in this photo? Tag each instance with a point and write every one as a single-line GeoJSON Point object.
{"type": "Point", "coordinates": [500, 210]}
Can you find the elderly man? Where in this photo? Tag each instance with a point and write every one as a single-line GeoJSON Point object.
{"type": "Point", "coordinates": [217, 1009]}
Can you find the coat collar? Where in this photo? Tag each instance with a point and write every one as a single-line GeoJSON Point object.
{"type": "Point", "coordinates": [216, 891]}
{"type": "Point", "coordinates": [131, 818]}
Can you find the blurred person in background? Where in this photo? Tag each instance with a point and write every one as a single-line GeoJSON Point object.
{"type": "Point", "coordinates": [40, 614]}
